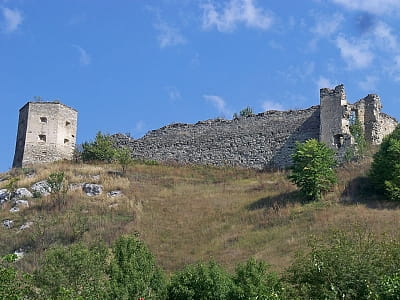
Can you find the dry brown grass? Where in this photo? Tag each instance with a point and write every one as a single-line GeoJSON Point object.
{"type": "Point", "coordinates": [187, 214]}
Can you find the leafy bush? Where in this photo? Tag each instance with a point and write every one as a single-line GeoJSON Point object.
{"type": "Point", "coordinates": [13, 285]}
{"type": "Point", "coordinates": [357, 132]}
{"type": "Point", "coordinates": [346, 266]}
{"type": "Point", "coordinates": [253, 281]}
{"type": "Point", "coordinates": [74, 272]}
{"type": "Point", "coordinates": [133, 272]}
{"type": "Point", "coordinates": [124, 158]}
{"type": "Point", "coordinates": [385, 169]}
{"type": "Point", "coordinates": [200, 282]}
{"type": "Point", "coordinates": [313, 168]}
{"type": "Point", "coordinates": [101, 149]}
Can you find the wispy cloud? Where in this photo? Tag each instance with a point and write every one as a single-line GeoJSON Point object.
{"type": "Point", "coordinates": [235, 12]}
{"type": "Point", "coordinates": [12, 19]}
{"type": "Point", "coordinates": [271, 105]}
{"type": "Point", "coordinates": [384, 35]}
{"type": "Point", "coordinates": [84, 57]}
{"type": "Point", "coordinates": [219, 104]}
{"type": "Point", "coordinates": [325, 26]}
{"type": "Point", "coordinates": [168, 35]}
{"type": "Point", "coordinates": [323, 82]}
{"type": "Point", "coordinates": [173, 93]}
{"type": "Point", "coordinates": [356, 54]}
{"type": "Point", "coordinates": [369, 83]}
{"type": "Point", "coordinates": [371, 6]}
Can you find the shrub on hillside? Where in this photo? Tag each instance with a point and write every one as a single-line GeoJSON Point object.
{"type": "Point", "coordinates": [252, 281]}
{"type": "Point", "coordinates": [385, 170]}
{"type": "Point", "coordinates": [313, 168]}
{"type": "Point", "coordinates": [133, 271]}
{"type": "Point", "coordinates": [200, 282]}
{"type": "Point", "coordinates": [355, 265]}
{"type": "Point", "coordinates": [100, 149]}
{"type": "Point", "coordinates": [73, 272]}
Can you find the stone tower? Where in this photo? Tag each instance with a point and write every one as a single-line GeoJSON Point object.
{"type": "Point", "coordinates": [46, 133]}
{"type": "Point", "coordinates": [337, 115]}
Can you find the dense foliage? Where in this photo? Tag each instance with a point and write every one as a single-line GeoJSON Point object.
{"type": "Point", "coordinates": [200, 282]}
{"type": "Point", "coordinates": [134, 273]}
{"type": "Point", "coordinates": [313, 168]}
{"type": "Point", "coordinates": [385, 170]}
{"type": "Point", "coordinates": [355, 265]}
{"type": "Point", "coordinates": [101, 149]}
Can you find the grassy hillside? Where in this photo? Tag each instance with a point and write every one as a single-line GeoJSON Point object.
{"type": "Point", "coordinates": [187, 214]}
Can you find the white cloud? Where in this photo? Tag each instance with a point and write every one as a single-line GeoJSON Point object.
{"type": "Point", "coordinates": [369, 83]}
{"type": "Point", "coordinates": [324, 82]}
{"type": "Point", "coordinates": [233, 13]}
{"type": "Point", "coordinates": [219, 104]}
{"type": "Point", "coordinates": [271, 105]}
{"type": "Point", "coordinates": [12, 19]}
{"type": "Point", "coordinates": [173, 93]}
{"type": "Point", "coordinates": [168, 35]}
{"type": "Point", "coordinates": [386, 39]}
{"type": "Point", "coordinates": [371, 6]}
{"type": "Point", "coordinates": [84, 57]}
{"type": "Point", "coordinates": [356, 53]}
{"type": "Point", "coordinates": [325, 26]}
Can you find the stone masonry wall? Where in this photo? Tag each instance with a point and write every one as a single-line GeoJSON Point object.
{"type": "Point", "coordinates": [260, 141]}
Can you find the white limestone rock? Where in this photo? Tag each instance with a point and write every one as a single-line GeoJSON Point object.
{"type": "Point", "coordinates": [92, 189]}
{"type": "Point", "coordinates": [42, 188]}
{"type": "Point", "coordinates": [22, 193]}
{"type": "Point", "coordinates": [8, 223]}
{"type": "Point", "coordinates": [4, 196]}
{"type": "Point", "coordinates": [116, 193]}
{"type": "Point", "coordinates": [26, 225]}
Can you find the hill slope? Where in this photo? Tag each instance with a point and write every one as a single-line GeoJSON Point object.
{"type": "Point", "coordinates": [187, 214]}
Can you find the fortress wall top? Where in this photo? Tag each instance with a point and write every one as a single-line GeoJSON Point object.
{"type": "Point", "coordinates": [259, 141]}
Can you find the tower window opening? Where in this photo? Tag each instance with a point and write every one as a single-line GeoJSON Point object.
{"type": "Point", "coordinates": [338, 140]}
{"type": "Point", "coordinates": [67, 123]}
{"type": "Point", "coordinates": [42, 137]}
{"type": "Point", "coordinates": [66, 141]}
{"type": "Point", "coordinates": [43, 119]}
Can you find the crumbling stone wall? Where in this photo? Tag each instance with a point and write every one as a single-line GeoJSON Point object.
{"type": "Point", "coordinates": [46, 133]}
{"type": "Point", "coordinates": [266, 140]}
{"type": "Point", "coordinates": [337, 115]}
{"type": "Point", "coordinates": [260, 141]}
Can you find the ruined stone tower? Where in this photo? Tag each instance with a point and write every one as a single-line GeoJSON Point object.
{"type": "Point", "coordinates": [337, 115]}
{"type": "Point", "coordinates": [46, 133]}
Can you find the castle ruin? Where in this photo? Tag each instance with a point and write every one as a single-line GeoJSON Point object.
{"type": "Point", "coordinates": [265, 140]}
{"type": "Point", "coordinates": [46, 133]}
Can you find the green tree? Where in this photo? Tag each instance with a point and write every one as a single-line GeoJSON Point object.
{"type": "Point", "coordinates": [124, 157]}
{"type": "Point", "coordinates": [385, 169]}
{"type": "Point", "coordinates": [13, 284]}
{"type": "Point", "coordinates": [245, 112]}
{"type": "Point", "coordinates": [253, 281]}
{"type": "Point", "coordinates": [100, 149]}
{"type": "Point", "coordinates": [200, 282]}
{"type": "Point", "coordinates": [74, 272]}
{"type": "Point", "coordinates": [313, 168]}
{"type": "Point", "coordinates": [133, 271]}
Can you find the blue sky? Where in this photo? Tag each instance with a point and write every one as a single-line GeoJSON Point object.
{"type": "Point", "coordinates": [133, 66]}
